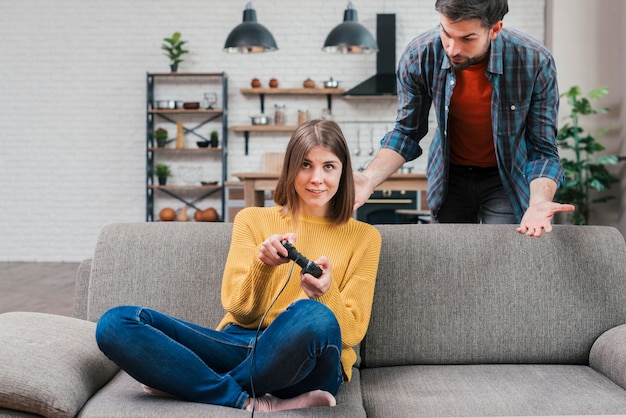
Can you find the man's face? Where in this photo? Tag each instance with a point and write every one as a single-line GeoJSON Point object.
{"type": "Point", "coordinates": [466, 42]}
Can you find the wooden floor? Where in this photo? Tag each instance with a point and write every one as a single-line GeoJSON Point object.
{"type": "Point", "coordinates": [37, 287]}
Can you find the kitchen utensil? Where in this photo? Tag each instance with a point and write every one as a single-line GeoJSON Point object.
{"type": "Point", "coordinates": [260, 120]}
{"type": "Point", "coordinates": [331, 83]}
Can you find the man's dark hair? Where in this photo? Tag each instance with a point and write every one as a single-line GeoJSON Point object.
{"type": "Point", "coordinates": [489, 12]}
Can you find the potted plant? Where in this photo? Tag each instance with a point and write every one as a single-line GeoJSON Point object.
{"type": "Point", "coordinates": [214, 139]}
{"type": "Point", "coordinates": [161, 137]}
{"type": "Point", "coordinates": [162, 171]}
{"type": "Point", "coordinates": [584, 172]}
{"type": "Point", "coordinates": [174, 50]}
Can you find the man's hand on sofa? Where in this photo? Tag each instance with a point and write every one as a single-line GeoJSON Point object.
{"type": "Point", "coordinates": [538, 218]}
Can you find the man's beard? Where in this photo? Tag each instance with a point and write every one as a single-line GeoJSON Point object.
{"type": "Point", "coordinates": [468, 63]}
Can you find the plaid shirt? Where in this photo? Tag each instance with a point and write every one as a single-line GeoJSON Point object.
{"type": "Point", "coordinates": [524, 108]}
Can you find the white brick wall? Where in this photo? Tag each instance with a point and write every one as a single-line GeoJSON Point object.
{"type": "Point", "coordinates": [72, 108]}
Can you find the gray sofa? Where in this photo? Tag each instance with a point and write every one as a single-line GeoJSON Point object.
{"type": "Point", "coordinates": [468, 320]}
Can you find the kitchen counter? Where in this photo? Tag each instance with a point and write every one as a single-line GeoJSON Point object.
{"type": "Point", "coordinates": [255, 185]}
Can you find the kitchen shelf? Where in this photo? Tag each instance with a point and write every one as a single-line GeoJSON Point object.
{"type": "Point", "coordinates": [189, 195]}
{"type": "Point", "coordinates": [263, 91]}
{"type": "Point", "coordinates": [216, 112]}
{"type": "Point", "coordinates": [181, 150]}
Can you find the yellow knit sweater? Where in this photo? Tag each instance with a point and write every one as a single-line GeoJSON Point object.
{"type": "Point", "coordinates": [249, 285]}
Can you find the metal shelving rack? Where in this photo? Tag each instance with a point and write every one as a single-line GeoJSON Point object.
{"type": "Point", "coordinates": [205, 116]}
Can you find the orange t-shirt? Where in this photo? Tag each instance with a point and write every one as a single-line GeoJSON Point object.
{"type": "Point", "coordinates": [469, 121]}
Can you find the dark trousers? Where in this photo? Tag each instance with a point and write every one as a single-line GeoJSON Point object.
{"type": "Point", "coordinates": [476, 195]}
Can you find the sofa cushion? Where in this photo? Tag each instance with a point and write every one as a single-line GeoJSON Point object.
{"type": "Point", "coordinates": [489, 390]}
{"type": "Point", "coordinates": [123, 397]}
{"type": "Point", "coordinates": [51, 364]}
{"type": "Point", "coordinates": [467, 294]}
{"type": "Point", "coordinates": [173, 267]}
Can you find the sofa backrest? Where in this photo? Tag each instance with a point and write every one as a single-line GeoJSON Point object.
{"type": "Point", "coordinates": [468, 294]}
{"type": "Point", "coordinates": [445, 294]}
{"type": "Point", "coordinates": [174, 267]}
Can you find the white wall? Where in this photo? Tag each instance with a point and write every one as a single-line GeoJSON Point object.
{"type": "Point", "coordinates": [72, 83]}
{"type": "Point", "coordinates": [587, 39]}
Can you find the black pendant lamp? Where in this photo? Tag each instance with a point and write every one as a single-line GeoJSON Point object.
{"type": "Point", "coordinates": [350, 37]}
{"type": "Point", "coordinates": [249, 36]}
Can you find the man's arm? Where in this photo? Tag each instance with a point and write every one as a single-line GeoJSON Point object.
{"type": "Point", "coordinates": [541, 208]}
{"type": "Point", "coordinates": [384, 164]}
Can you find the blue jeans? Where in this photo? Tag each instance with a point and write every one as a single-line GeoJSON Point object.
{"type": "Point", "coordinates": [300, 351]}
{"type": "Point", "coordinates": [476, 195]}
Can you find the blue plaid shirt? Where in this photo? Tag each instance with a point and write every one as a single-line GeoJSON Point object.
{"type": "Point", "coordinates": [524, 108]}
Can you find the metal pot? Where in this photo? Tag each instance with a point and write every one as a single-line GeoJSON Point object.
{"type": "Point", "coordinates": [260, 120]}
{"type": "Point", "coordinates": [331, 84]}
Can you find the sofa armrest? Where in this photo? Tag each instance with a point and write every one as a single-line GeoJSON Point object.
{"type": "Point", "coordinates": [51, 364]}
{"type": "Point", "coordinates": [81, 290]}
{"type": "Point", "coordinates": [608, 355]}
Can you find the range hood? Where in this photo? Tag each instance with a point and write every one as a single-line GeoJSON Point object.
{"type": "Point", "coordinates": [383, 83]}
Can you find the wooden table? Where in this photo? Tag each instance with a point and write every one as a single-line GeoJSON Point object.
{"type": "Point", "coordinates": [255, 185]}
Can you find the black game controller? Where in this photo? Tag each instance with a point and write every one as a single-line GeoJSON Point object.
{"type": "Point", "coordinates": [307, 265]}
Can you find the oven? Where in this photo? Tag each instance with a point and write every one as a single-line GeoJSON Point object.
{"type": "Point", "coordinates": [382, 206]}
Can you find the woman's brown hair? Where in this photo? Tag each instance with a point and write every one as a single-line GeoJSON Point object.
{"type": "Point", "coordinates": [323, 133]}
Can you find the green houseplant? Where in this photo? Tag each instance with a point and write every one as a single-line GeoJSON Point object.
{"type": "Point", "coordinates": [584, 172]}
{"type": "Point", "coordinates": [214, 139]}
{"type": "Point", "coordinates": [162, 171]}
{"type": "Point", "coordinates": [174, 50]}
{"type": "Point", "coordinates": [161, 137]}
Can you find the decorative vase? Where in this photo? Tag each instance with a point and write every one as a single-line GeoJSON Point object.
{"type": "Point", "coordinates": [182, 215]}
{"type": "Point", "coordinates": [180, 141]}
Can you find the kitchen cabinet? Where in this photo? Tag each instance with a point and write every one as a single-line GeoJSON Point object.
{"type": "Point", "coordinates": [195, 125]}
{"type": "Point", "coordinates": [263, 92]}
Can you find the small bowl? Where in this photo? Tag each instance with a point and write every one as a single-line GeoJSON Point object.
{"type": "Point", "coordinates": [331, 84]}
{"type": "Point", "coordinates": [208, 183]}
{"type": "Point", "coordinates": [191, 105]}
{"type": "Point", "coordinates": [260, 120]}
{"type": "Point", "coordinates": [202, 144]}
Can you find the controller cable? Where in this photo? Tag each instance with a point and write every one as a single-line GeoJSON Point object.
{"type": "Point", "coordinates": [256, 337]}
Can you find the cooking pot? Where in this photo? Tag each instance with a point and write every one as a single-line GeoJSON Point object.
{"type": "Point", "coordinates": [331, 83]}
{"type": "Point", "coordinates": [260, 120]}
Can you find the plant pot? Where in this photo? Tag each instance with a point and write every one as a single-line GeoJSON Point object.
{"type": "Point", "coordinates": [162, 181]}
{"type": "Point", "coordinates": [174, 67]}
{"type": "Point", "coordinates": [161, 142]}
{"type": "Point", "coordinates": [214, 142]}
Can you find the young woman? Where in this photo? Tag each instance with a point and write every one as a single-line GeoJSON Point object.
{"type": "Point", "coordinates": [287, 339]}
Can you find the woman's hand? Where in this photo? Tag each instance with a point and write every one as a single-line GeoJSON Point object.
{"type": "Point", "coordinates": [315, 287]}
{"type": "Point", "coordinates": [272, 251]}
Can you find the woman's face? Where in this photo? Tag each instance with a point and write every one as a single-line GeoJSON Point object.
{"type": "Point", "coordinates": [317, 180]}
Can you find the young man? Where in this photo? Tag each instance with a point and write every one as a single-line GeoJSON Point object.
{"type": "Point", "coordinates": [494, 157]}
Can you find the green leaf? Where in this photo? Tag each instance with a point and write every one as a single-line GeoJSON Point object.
{"type": "Point", "coordinates": [608, 159]}
{"type": "Point", "coordinates": [598, 93]}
